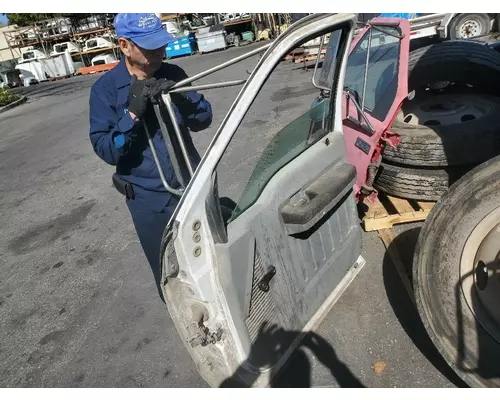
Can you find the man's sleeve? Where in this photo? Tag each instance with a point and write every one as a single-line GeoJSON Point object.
{"type": "Point", "coordinates": [196, 111]}
{"type": "Point", "coordinates": [198, 115]}
{"type": "Point", "coordinates": [111, 135]}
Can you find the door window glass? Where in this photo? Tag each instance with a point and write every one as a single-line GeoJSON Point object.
{"type": "Point", "coordinates": [288, 115]}
{"type": "Point", "coordinates": [383, 67]}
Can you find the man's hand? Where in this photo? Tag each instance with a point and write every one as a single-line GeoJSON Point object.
{"type": "Point", "coordinates": [164, 85]}
{"type": "Point", "coordinates": [160, 86]}
{"type": "Point", "coordinates": [138, 96]}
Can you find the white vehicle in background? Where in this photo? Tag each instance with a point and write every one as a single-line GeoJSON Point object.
{"type": "Point", "coordinates": [452, 26]}
{"type": "Point", "coordinates": [29, 54]}
{"type": "Point", "coordinates": [464, 26]}
{"type": "Point", "coordinates": [61, 48]}
{"type": "Point", "coordinates": [57, 26]}
{"type": "Point", "coordinates": [91, 23]}
{"type": "Point", "coordinates": [9, 79]}
{"type": "Point", "coordinates": [226, 17]}
{"type": "Point", "coordinates": [97, 43]}
{"type": "Point", "coordinates": [4, 83]}
{"type": "Point", "coordinates": [103, 59]}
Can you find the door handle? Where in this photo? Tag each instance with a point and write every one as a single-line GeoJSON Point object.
{"type": "Point", "coordinates": [264, 282]}
{"type": "Point", "coordinates": [302, 212]}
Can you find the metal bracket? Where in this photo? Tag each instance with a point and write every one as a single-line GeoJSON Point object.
{"type": "Point", "coordinates": [369, 192]}
{"type": "Point", "coordinates": [392, 138]}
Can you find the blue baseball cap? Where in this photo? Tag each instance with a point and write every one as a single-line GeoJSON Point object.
{"type": "Point", "coordinates": [145, 30]}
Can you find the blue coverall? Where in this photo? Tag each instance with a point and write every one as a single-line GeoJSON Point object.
{"type": "Point", "coordinates": [121, 142]}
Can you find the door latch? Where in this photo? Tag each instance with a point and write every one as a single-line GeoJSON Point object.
{"type": "Point", "coordinates": [264, 282]}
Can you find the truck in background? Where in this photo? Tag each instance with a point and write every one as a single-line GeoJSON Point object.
{"type": "Point", "coordinates": [446, 26]}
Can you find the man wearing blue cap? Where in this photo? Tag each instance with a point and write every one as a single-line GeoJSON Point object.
{"type": "Point", "coordinates": [119, 109]}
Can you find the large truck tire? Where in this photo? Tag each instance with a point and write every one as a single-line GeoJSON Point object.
{"type": "Point", "coordinates": [415, 183]}
{"type": "Point", "coordinates": [467, 26]}
{"type": "Point", "coordinates": [455, 274]}
{"type": "Point", "coordinates": [473, 139]}
{"type": "Point", "coordinates": [459, 126]}
{"type": "Point", "coordinates": [455, 61]}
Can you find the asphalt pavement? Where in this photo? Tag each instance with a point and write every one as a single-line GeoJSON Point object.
{"type": "Point", "coordinates": [78, 307]}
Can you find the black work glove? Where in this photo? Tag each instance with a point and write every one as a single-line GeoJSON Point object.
{"type": "Point", "coordinates": [163, 85]}
{"type": "Point", "coordinates": [138, 95]}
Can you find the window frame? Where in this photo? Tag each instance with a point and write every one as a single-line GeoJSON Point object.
{"type": "Point", "coordinates": [360, 42]}
{"type": "Point", "coordinates": [343, 39]}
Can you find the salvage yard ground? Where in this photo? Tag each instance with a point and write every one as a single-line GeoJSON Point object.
{"type": "Point", "coordinates": [78, 307]}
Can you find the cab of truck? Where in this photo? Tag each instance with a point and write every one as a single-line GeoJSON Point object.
{"type": "Point", "coordinates": [30, 53]}
{"type": "Point", "coordinates": [61, 48]}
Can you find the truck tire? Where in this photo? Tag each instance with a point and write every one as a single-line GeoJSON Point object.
{"type": "Point", "coordinates": [472, 141]}
{"type": "Point", "coordinates": [472, 134]}
{"type": "Point", "coordinates": [456, 61]}
{"type": "Point", "coordinates": [467, 26]}
{"type": "Point", "coordinates": [455, 273]}
{"type": "Point", "coordinates": [417, 183]}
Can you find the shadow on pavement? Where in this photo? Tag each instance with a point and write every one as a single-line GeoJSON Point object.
{"type": "Point", "coordinates": [269, 346]}
{"type": "Point", "coordinates": [404, 308]}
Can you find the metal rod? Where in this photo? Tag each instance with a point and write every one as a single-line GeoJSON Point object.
{"type": "Point", "coordinates": [170, 147]}
{"type": "Point", "coordinates": [157, 162]}
{"type": "Point", "coordinates": [366, 69]}
{"type": "Point", "coordinates": [220, 66]}
{"type": "Point", "coordinates": [208, 86]}
{"type": "Point", "coordinates": [168, 103]}
{"type": "Point", "coordinates": [360, 111]}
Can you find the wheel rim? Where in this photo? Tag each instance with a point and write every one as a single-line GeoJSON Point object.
{"type": "Point", "coordinates": [470, 28]}
{"type": "Point", "coordinates": [480, 273]}
{"type": "Point", "coordinates": [445, 109]}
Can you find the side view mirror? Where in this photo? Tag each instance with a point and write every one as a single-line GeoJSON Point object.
{"type": "Point", "coordinates": [319, 109]}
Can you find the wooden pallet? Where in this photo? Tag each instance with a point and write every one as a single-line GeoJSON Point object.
{"type": "Point", "coordinates": [308, 58]}
{"type": "Point", "coordinates": [387, 211]}
{"type": "Point", "coordinates": [295, 54]}
{"type": "Point", "coordinates": [97, 68]}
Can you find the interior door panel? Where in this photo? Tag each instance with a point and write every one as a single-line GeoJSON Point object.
{"type": "Point", "coordinates": [308, 265]}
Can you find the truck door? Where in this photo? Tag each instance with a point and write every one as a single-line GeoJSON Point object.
{"type": "Point", "coordinates": [376, 84]}
{"type": "Point", "coordinates": [267, 236]}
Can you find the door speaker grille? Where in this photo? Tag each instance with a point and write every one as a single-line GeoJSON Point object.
{"type": "Point", "coordinates": [262, 308]}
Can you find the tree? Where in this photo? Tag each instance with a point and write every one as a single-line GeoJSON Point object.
{"type": "Point", "coordinates": [26, 19]}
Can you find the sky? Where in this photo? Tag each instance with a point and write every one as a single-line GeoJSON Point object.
{"type": "Point", "coordinates": [3, 19]}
